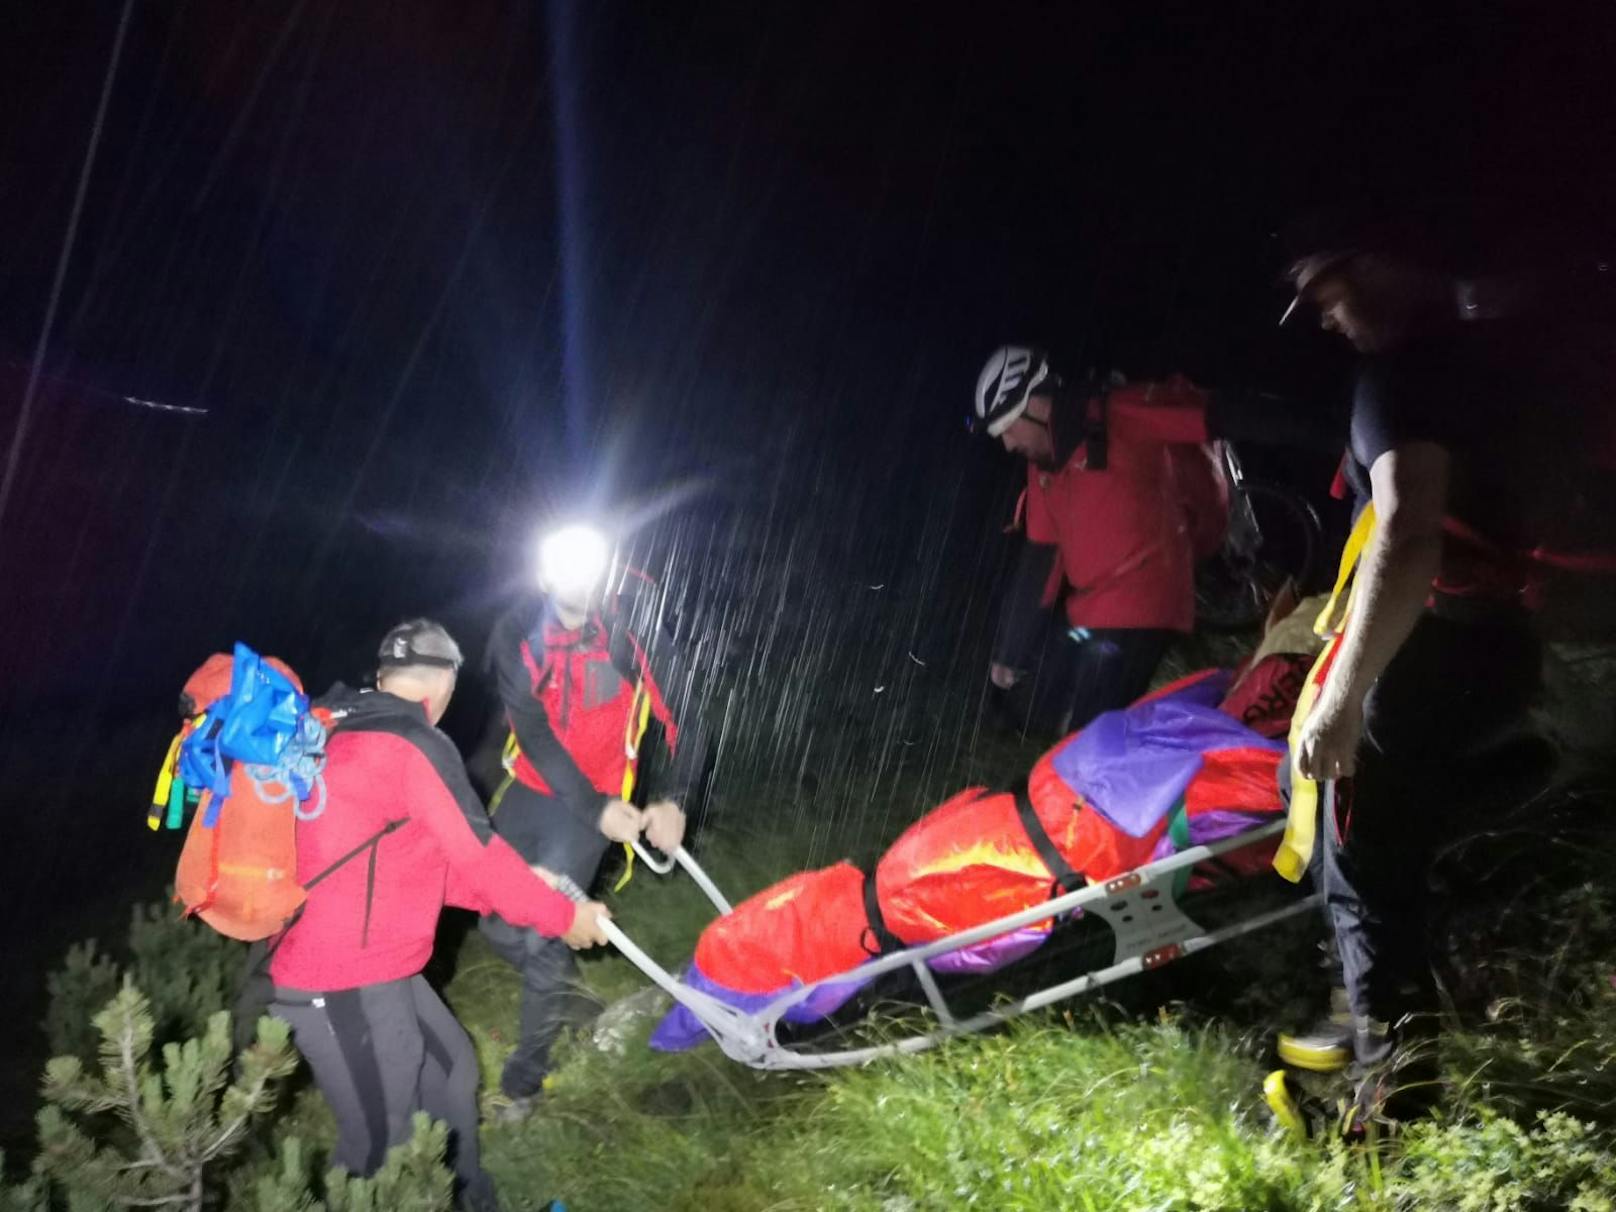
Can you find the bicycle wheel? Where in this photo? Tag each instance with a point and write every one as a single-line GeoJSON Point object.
{"type": "Point", "coordinates": [1234, 589]}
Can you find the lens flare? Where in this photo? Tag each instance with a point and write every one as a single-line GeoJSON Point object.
{"type": "Point", "coordinates": [573, 560]}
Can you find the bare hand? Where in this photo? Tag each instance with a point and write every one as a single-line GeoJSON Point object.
{"type": "Point", "coordinates": [620, 821]}
{"type": "Point", "coordinates": [1328, 745]}
{"type": "Point", "coordinates": [588, 926]}
{"type": "Point", "coordinates": [1003, 676]}
{"type": "Point", "coordinates": [665, 826]}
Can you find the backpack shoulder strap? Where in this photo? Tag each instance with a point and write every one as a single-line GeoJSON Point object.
{"type": "Point", "coordinates": [628, 620]}
{"type": "Point", "coordinates": [370, 843]}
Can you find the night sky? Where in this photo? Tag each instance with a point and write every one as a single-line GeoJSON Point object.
{"type": "Point", "coordinates": [437, 270]}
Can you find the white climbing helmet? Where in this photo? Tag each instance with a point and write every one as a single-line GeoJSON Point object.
{"type": "Point", "coordinates": [1011, 375]}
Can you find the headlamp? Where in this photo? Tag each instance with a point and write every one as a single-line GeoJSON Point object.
{"type": "Point", "coordinates": [573, 560]}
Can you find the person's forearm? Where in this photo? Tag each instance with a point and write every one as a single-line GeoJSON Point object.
{"type": "Point", "coordinates": [1023, 615]}
{"type": "Point", "coordinates": [1394, 582]}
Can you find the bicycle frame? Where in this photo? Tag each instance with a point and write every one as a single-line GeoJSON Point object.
{"type": "Point", "coordinates": [1245, 535]}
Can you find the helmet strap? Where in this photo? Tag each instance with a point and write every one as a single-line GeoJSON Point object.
{"type": "Point", "coordinates": [1065, 424]}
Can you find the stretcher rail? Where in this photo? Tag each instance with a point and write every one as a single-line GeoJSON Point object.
{"type": "Point", "coordinates": [1140, 906]}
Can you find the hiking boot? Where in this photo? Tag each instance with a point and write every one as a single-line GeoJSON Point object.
{"type": "Point", "coordinates": [1396, 1094]}
{"type": "Point", "coordinates": [502, 1108]}
{"type": "Point", "coordinates": [1326, 1046]}
{"type": "Point", "coordinates": [478, 1195]}
{"type": "Point", "coordinates": [1396, 1077]}
{"type": "Point", "coordinates": [1308, 1117]}
{"type": "Point", "coordinates": [1287, 1106]}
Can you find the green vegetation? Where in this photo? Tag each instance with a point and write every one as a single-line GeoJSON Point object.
{"type": "Point", "coordinates": [127, 1133]}
{"type": "Point", "coordinates": [1155, 1105]}
{"type": "Point", "coordinates": [1095, 1107]}
{"type": "Point", "coordinates": [1151, 1104]}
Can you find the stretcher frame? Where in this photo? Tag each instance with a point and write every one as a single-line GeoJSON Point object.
{"type": "Point", "coordinates": [1140, 906]}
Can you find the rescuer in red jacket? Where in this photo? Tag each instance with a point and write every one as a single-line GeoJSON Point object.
{"type": "Point", "coordinates": [400, 835]}
{"type": "Point", "coordinates": [1123, 497]}
{"type": "Point", "coordinates": [582, 668]}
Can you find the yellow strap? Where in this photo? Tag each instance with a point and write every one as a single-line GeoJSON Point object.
{"type": "Point", "coordinates": [639, 718]}
{"type": "Point", "coordinates": [495, 800]}
{"type": "Point", "coordinates": [1332, 617]}
{"type": "Point", "coordinates": [165, 783]}
{"type": "Point", "coordinates": [1301, 822]}
{"type": "Point", "coordinates": [1280, 1100]}
{"type": "Point", "coordinates": [628, 871]}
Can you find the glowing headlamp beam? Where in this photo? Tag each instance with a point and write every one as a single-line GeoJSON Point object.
{"type": "Point", "coordinates": [573, 560]}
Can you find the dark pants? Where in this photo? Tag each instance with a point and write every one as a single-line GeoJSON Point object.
{"type": "Point", "coordinates": [379, 1054]}
{"type": "Point", "coordinates": [545, 833]}
{"type": "Point", "coordinates": [254, 994]}
{"type": "Point", "coordinates": [1432, 753]}
{"type": "Point", "coordinates": [1076, 679]}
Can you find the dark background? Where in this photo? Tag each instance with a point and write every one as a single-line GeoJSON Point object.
{"type": "Point", "coordinates": [436, 271]}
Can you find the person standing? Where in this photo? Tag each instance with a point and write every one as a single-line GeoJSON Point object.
{"type": "Point", "coordinates": [1122, 498]}
{"type": "Point", "coordinates": [581, 668]}
{"type": "Point", "coordinates": [401, 834]}
{"type": "Point", "coordinates": [1455, 445]}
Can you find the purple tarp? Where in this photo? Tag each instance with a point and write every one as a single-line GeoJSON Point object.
{"type": "Point", "coordinates": [1133, 766]}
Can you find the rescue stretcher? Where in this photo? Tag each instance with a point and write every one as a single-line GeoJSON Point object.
{"type": "Point", "coordinates": [1116, 825]}
{"type": "Point", "coordinates": [1141, 907]}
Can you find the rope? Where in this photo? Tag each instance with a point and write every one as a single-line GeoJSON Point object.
{"type": "Point", "coordinates": [298, 773]}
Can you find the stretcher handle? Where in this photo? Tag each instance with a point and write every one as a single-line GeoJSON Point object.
{"type": "Point", "coordinates": [682, 858]}
{"type": "Point", "coordinates": [568, 887]}
{"type": "Point", "coordinates": [732, 1028]}
{"type": "Point", "coordinates": [646, 852]}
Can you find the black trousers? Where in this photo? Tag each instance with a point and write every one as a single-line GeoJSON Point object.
{"type": "Point", "coordinates": [379, 1054]}
{"type": "Point", "coordinates": [544, 832]}
{"type": "Point", "coordinates": [1075, 680]}
{"type": "Point", "coordinates": [1435, 749]}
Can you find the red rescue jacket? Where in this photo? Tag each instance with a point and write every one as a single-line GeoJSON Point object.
{"type": "Point", "coordinates": [374, 917]}
{"type": "Point", "coordinates": [1128, 536]}
{"type": "Point", "coordinates": [576, 698]}
{"type": "Point", "coordinates": [590, 696]}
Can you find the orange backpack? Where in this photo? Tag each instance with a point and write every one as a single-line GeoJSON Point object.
{"type": "Point", "coordinates": [238, 867]}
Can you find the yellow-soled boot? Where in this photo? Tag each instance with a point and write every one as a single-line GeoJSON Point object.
{"type": "Point", "coordinates": [1326, 1047]}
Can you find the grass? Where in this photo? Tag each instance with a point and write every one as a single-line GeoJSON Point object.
{"type": "Point", "coordinates": [1098, 1106]}
{"type": "Point", "coordinates": [1152, 1105]}
{"type": "Point", "coordinates": [1150, 1102]}
{"type": "Point", "coordinates": [1035, 1117]}
{"type": "Point", "coordinates": [1086, 1112]}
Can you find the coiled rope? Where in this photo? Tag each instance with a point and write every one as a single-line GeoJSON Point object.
{"type": "Point", "coordinates": [297, 774]}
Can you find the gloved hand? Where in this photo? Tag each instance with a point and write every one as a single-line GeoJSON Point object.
{"type": "Point", "coordinates": [588, 926]}
{"type": "Point", "coordinates": [1003, 676]}
{"type": "Point", "coordinates": [621, 821]}
{"type": "Point", "coordinates": [665, 826]}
